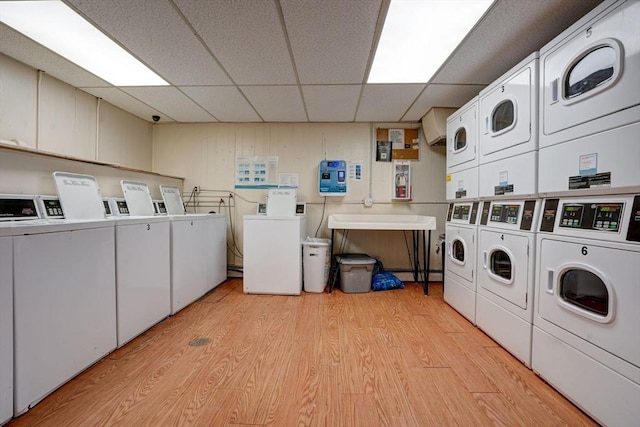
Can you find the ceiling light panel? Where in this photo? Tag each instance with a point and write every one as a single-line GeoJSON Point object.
{"type": "Point", "coordinates": [60, 29]}
{"type": "Point", "coordinates": [419, 35]}
{"type": "Point", "coordinates": [157, 34]}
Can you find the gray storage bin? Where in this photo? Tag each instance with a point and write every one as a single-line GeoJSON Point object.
{"type": "Point", "coordinates": [356, 271]}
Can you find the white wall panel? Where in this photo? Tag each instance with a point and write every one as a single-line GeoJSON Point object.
{"type": "Point", "coordinates": [17, 101]}
{"type": "Point", "coordinates": [67, 120]}
{"type": "Point", "coordinates": [123, 138]}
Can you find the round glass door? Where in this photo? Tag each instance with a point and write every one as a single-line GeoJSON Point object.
{"type": "Point", "coordinates": [460, 139]}
{"type": "Point", "coordinates": [500, 264]}
{"type": "Point", "coordinates": [503, 116]}
{"type": "Point", "coordinates": [585, 290]}
{"type": "Point", "coordinates": [592, 70]}
{"type": "Point", "coordinates": [457, 250]}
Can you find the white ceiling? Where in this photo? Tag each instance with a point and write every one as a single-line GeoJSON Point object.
{"type": "Point", "coordinates": [288, 60]}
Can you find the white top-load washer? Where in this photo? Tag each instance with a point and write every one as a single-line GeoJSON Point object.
{"type": "Point", "coordinates": [272, 247]}
{"type": "Point", "coordinates": [462, 153]}
{"type": "Point", "coordinates": [64, 293]}
{"type": "Point", "coordinates": [142, 263]}
{"type": "Point", "coordinates": [590, 104]}
{"type": "Point", "coordinates": [460, 258]}
{"type": "Point", "coordinates": [198, 250]}
{"type": "Point", "coordinates": [586, 341]}
{"type": "Point", "coordinates": [506, 256]}
{"type": "Point", "coordinates": [509, 133]}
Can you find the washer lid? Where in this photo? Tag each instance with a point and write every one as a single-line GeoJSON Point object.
{"type": "Point", "coordinates": [79, 196]}
{"type": "Point", "coordinates": [172, 200]}
{"type": "Point", "coordinates": [138, 198]}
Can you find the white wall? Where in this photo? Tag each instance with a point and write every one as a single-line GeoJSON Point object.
{"type": "Point", "coordinates": [205, 155]}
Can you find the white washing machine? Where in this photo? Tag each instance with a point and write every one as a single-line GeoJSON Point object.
{"type": "Point", "coordinates": [272, 254]}
{"type": "Point", "coordinates": [198, 250]}
{"type": "Point", "coordinates": [586, 336]}
{"type": "Point", "coordinates": [462, 153]}
{"type": "Point", "coordinates": [6, 321]}
{"type": "Point", "coordinates": [509, 133]}
{"type": "Point", "coordinates": [590, 104]}
{"type": "Point", "coordinates": [142, 263]}
{"type": "Point", "coordinates": [6, 317]}
{"type": "Point", "coordinates": [506, 255]}
{"type": "Point", "coordinates": [460, 259]}
{"type": "Point", "coordinates": [63, 321]}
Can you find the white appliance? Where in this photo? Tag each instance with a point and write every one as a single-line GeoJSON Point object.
{"type": "Point", "coordinates": [509, 133]}
{"type": "Point", "coordinates": [590, 104]}
{"type": "Point", "coordinates": [586, 341]}
{"type": "Point", "coordinates": [142, 264]}
{"type": "Point", "coordinates": [460, 259]}
{"type": "Point", "coordinates": [272, 247]}
{"type": "Point", "coordinates": [6, 320]}
{"type": "Point", "coordinates": [506, 255]}
{"type": "Point", "coordinates": [462, 153]}
{"type": "Point", "coordinates": [198, 250]}
{"type": "Point", "coordinates": [63, 321]}
{"type": "Point", "coordinates": [272, 254]}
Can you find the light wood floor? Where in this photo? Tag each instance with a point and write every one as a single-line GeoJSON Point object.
{"type": "Point", "coordinates": [392, 358]}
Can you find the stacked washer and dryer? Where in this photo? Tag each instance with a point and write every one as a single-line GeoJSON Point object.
{"type": "Point", "coordinates": [586, 339]}
{"type": "Point", "coordinates": [507, 184]}
{"type": "Point", "coordinates": [558, 241]}
{"type": "Point", "coordinates": [461, 224]}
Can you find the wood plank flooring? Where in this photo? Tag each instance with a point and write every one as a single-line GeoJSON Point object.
{"type": "Point", "coordinates": [392, 358]}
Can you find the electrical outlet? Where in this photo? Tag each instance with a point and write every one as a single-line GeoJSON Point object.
{"type": "Point", "coordinates": [368, 202]}
{"type": "Point", "coordinates": [196, 189]}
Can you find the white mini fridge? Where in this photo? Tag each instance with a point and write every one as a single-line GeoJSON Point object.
{"type": "Point", "coordinates": [272, 254]}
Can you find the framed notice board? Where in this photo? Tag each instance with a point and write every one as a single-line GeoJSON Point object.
{"type": "Point", "coordinates": [405, 143]}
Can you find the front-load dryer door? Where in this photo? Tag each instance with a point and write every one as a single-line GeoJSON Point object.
{"type": "Point", "coordinates": [461, 252]}
{"type": "Point", "coordinates": [589, 81]}
{"type": "Point", "coordinates": [592, 291]}
{"type": "Point", "coordinates": [462, 137]}
{"type": "Point", "coordinates": [503, 265]}
{"type": "Point", "coordinates": [507, 111]}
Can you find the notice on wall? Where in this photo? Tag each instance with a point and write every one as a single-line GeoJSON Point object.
{"type": "Point", "coordinates": [256, 172]}
{"type": "Point", "coordinates": [288, 180]}
{"type": "Point", "coordinates": [355, 170]}
{"type": "Point", "coordinates": [405, 143]}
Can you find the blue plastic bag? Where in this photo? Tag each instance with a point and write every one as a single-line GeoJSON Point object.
{"type": "Point", "coordinates": [384, 280]}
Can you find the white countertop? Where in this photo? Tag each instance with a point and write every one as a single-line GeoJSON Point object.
{"type": "Point", "coordinates": [381, 222]}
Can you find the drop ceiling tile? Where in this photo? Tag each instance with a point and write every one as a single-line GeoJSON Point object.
{"type": "Point", "coordinates": [225, 103]}
{"type": "Point", "coordinates": [25, 50]}
{"type": "Point", "coordinates": [172, 102]}
{"type": "Point", "coordinates": [156, 33]}
{"type": "Point", "coordinates": [328, 103]}
{"type": "Point", "coordinates": [440, 95]}
{"type": "Point", "coordinates": [246, 37]}
{"type": "Point", "coordinates": [126, 102]}
{"type": "Point", "coordinates": [331, 39]}
{"type": "Point", "coordinates": [276, 103]}
{"type": "Point", "coordinates": [386, 102]}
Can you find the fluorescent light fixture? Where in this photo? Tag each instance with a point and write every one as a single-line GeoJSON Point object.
{"type": "Point", "coordinates": [59, 28]}
{"type": "Point", "coordinates": [419, 35]}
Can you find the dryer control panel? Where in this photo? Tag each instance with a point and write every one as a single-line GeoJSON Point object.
{"type": "Point", "coordinates": [596, 216]}
{"type": "Point", "coordinates": [616, 217]}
